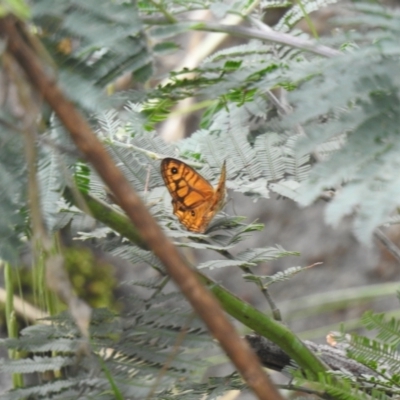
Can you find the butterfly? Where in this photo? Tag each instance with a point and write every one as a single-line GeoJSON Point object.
{"type": "Point", "coordinates": [194, 200]}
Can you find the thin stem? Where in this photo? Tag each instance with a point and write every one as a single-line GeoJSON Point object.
{"type": "Point", "coordinates": [251, 33]}
{"type": "Point", "coordinates": [247, 270]}
{"type": "Point", "coordinates": [388, 244]}
{"type": "Point", "coordinates": [12, 326]}
{"type": "Point", "coordinates": [170, 18]}
{"type": "Point", "coordinates": [272, 36]}
{"type": "Point", "coordinates": [276, 313]}
{"type": "Point", "coordinates": [304, 390]}
{"type": "Point", "coordinates": [308, 19]}
{"type": "Point", "coordinates": [150, 154]}
{"type": "Point", "coordinates": [160, 287]}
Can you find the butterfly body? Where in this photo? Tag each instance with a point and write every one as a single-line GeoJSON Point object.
{"type": "Point", "coordinates": [195, 201]}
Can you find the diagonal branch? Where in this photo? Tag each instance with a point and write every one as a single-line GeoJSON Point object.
{"type": "Point", "coordinates": [202, 301]}
{"type": "Point", "coordinates": [271, 36]}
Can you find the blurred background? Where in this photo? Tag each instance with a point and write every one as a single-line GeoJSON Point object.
{"type": "Point", "coordinates": [351, 278]}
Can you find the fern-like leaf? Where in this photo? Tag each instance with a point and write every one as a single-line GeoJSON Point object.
{"type": "Point", "coordinates": [388, 331]}
{"type": "Point", "coordinates": [278, 277]}
{"type": "Point", "coordinates": [365, 167]}
{"type": "Point", "coordinates": [94, 43]}
{"type": "Point", "coordinates": [135, 348]}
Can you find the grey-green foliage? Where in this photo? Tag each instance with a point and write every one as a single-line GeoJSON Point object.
{"type": "Point", "coordinates": [339, 386]}
{"type": "Point", "coordinates": [357, 96]}
{"type": "Point", "coordinates": [13, 200]}
{"type": "Point", "coordinates": [138, 154]}
{"type": "Point", "coordinates": [93, 43]}
{"type": "Point", "coordinates": [212, 389]}
{"type": "Point", "coordinates": [135, 349]}
{"type": "Point", "coordinates": [358, 93]}
{"type": "Point", "coordinates": [252, 164]}
{"type": "Point", "coordinates": [280, 276]}
{"type": "Point", "coordinates": [347, 106]}
{"type": "Point", "coordinates": [56, 159]}
{"type": "Point", "coordinates": [295, 13]}
{"type": "Point", "coordinates": [388, 331]}
{"type": "Point", "coordinates": [106, 40]}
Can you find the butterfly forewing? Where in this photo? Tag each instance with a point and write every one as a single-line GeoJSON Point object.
{"type": "Point", "coordinates": [194, 200]}
{"type": "Point", "coordinates": [185, 184]}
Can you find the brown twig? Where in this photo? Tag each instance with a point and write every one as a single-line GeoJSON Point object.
{"type": "Point", "coordinates": [202, 301]}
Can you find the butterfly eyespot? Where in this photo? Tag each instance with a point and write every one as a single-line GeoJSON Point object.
{"type": "Point", "coordinates": [193, 213]}
{"type": "Point", "coordinates": [174, 170]}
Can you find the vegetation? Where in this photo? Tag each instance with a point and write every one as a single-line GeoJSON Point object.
{"type": "Point", "coordinates": [327, 125]}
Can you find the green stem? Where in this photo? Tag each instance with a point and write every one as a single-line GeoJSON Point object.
{"type": "Point", "coordinates": [169, 17]}
{"type": "Point", "coordinates": [308, 19]}
{"type": "Point", "coordinates": [237, 308]}
{"type": "Point", "coordinates": [266, 327]}
{"type": "Point", "coordinates": [11, 320]}
{"type": "Point", "coordinates": [275, 310]}
{"type": "Point", "coordinates": [108, 216]}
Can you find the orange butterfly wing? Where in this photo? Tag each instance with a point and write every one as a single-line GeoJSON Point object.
{"type": "Point", "coordinates": [194, 200]}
